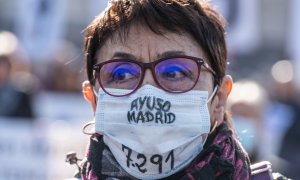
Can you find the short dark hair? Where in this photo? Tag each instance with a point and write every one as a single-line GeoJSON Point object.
{"type": "Point", "coordinates": [195, 17]}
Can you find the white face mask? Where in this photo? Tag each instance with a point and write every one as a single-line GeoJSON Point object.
{"type": "Point", "coordinates": [151, 133]}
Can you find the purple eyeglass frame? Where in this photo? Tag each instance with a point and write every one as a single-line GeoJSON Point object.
{"type": "Point", "coordinates": [200, 62]}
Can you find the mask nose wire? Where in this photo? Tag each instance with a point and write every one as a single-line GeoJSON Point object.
{"type": "Point", "coordinates": [212, 94]}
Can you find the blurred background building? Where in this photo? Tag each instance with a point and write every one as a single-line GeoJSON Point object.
{"type": "Point", "coordinates": [41, 70]}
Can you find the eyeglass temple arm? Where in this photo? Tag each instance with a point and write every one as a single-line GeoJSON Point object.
{"type": "Point", "coordinates": [206, 66]}
{"type": "Point", "coordinates": [95, 69]}
{"type": "Point", "coordinates": [209, 68]}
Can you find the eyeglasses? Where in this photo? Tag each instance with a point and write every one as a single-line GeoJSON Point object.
{"type": "Point", "coordinates": [173, 74]}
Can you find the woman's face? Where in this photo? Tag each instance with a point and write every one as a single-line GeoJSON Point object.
{"type": "Point", "coordinates": [145, 46]}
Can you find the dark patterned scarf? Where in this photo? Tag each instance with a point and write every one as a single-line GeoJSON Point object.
{"type": "Point", "coordinates": [222, 158]}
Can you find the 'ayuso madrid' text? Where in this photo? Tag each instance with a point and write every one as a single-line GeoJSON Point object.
{"type": "Point", "coordinates": [150, 109]}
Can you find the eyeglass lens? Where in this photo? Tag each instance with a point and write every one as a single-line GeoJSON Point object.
{"type": "Point", "coordinates": [176, 75]}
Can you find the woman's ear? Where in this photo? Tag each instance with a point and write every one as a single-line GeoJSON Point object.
{"type": "Point", "coordinates": [224, 90]}
{"type": "Point", "coordinates": [221, 100]}
{"type": "Point", "coordinates": [228, 83]}
{"type": "Point", "coordinates": [88, 94]}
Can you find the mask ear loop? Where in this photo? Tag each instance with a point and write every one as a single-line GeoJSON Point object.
{"type": "Point", "coordinates": [84, 131]}
{"type": "Point", "coordinates": [214, 127]}
{"type": "Point", "coordinates": [212, 94]}
{"type": "Point", "coordinates": [208, 100]}
{"type": "Point", "coordinates": [95, 92]}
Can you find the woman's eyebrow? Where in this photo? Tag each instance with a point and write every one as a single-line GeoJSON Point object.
{"type": "Point", "coordinates": [170, 54]}
{"type": "Point", "coordinates": [123, 55]}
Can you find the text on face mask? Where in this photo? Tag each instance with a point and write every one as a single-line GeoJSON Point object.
{"type": "Point", "coordinates": [140, 160]}
{"type": "Point", "coordinates": [150, 109]}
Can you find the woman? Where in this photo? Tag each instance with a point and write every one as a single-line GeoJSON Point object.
{"type": "Point", "coordinates": [158, 88]}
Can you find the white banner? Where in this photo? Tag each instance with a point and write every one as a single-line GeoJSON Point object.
{"type": "Point", "coordinates": [293, 38]}
{"type": "Point", "coordinates": [40, 26]}
{"type": "Point", "coordinates": [35, 151]}
{"type": "Point", "coordinates": [243, 16]}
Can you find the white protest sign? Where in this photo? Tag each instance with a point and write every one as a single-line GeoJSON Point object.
{"type": "Point", "coordinates": [243, 18]}
{"type": "Point", "coordinates": [35, 151]}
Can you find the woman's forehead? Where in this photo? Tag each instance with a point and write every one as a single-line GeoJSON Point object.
{"type": "Point", "coordinates": [145, 44]}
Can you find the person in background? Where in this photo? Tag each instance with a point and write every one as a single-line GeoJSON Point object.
{"type": "Point", "coordinates": [13, 101]}
{"type": "Point", "coordinates": [247, 104]}
{"type": "Point", "coordinates": [17, 83]}
{"type": "Point", "coordinates": [282, 119]}
{"type": "Point", "coordinates": [158, 87]}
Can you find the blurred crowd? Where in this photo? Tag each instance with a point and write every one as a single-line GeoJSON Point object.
{"type": "Point", "coordinates": [266, 117]}
{"type": "Point", "coordinates": [20, 79]}
{"type": "Point", "coordinates": [264, 102]}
